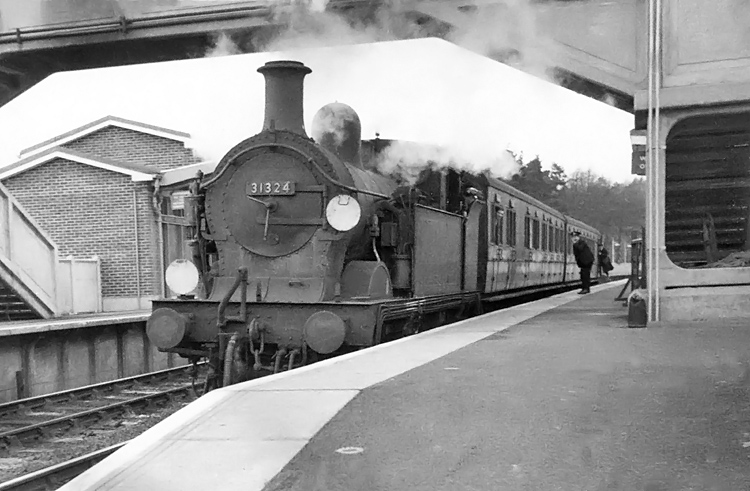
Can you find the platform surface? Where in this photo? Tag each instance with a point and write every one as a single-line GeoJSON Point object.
{"type": "Point", "coordinates": [15, 328]}
{"type": "Point", "coordinates": [557, 394]}
{"type": "Point", "coordinates": [568, 400]}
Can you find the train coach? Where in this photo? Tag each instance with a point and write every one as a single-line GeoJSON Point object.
{"type": "Point", "coordinates": [301, 252]}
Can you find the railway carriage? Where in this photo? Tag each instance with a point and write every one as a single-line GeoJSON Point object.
{"type": "Point", "coordinates": [303, 252]}
{"type": "Point", "coordinates": [526, 244]}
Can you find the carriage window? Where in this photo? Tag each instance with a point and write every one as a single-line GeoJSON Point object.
{"type": "Point", "coordinates": [511, 229]}
{"type": "Point", "coordinates": [556, 242]}
{"type": "Point", "coordinates": [535, 234]}
{"type": "Point", "coordinates": [497, 225]}
{"type": "Point", "coordinates": [545, 238]}
{"type": "Point", "coordinates": [527, 232]}
{"type": "Point", "coordinates": [551, 238]}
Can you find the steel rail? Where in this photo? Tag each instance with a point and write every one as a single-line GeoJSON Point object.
{"type": "Point", "coordinates": [99, 413]}
{"type": "Point", "coordinates": [56, 475]}
{"type": "Point", "coordinates": [77, 393]}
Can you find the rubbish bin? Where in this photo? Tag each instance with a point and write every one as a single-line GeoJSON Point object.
{"type": "Point", "coordinates": [637, 309]}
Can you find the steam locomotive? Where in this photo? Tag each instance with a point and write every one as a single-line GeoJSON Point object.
{"type": "Point", "coordinates": [304, 253]}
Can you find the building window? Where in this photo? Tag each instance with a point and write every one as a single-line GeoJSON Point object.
{"type": "Point", "coordinates": [174, 204]}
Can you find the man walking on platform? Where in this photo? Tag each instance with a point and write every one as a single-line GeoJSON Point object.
{"type": "Point", "coordinates": [584, 259]}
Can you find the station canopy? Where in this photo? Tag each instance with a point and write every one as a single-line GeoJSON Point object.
{"type": "Point", "coordinates": [425, 90]}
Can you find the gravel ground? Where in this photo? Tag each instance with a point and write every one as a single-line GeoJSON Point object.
{"type": "Point", "coordinates": [75, 443]}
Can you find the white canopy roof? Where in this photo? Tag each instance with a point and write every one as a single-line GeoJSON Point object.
{"type": "Point", "coordinates": [424, 90]}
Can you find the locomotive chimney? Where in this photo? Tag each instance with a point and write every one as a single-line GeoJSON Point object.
{"type": "Point", "coordinates": [284, 81]}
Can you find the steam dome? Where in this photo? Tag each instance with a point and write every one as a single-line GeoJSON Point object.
{"type": "Point", "coordinates": [336, 127]}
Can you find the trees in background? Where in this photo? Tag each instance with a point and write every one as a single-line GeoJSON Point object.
{"type": "Point", "coordinates": [548, 186]}
{"type": "Point", "coordinates": [613, 208]}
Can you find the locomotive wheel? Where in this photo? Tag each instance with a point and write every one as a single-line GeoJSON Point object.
{"type": "Point", "coordinates": [238, 362]}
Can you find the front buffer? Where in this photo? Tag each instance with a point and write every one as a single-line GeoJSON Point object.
{"type": "Point", "coordinates": [243, 340]}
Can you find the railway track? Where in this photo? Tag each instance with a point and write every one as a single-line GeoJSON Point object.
{"type": "Point", "coordinates": [56, 475]}
{"type": "Point", "coordinates": [41, 417]}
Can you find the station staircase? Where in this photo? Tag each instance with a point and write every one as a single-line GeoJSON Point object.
{"type": "Point", "coordinates": [28, 262]}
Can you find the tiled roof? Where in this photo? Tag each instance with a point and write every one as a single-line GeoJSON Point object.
{"type": "Point", "coordinates": [135, 171]}
{"type": "Point", "coordinates": [104, 122]}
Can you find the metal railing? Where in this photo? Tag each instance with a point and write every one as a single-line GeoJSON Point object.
{"type": "Point", "coordinates": [28, 257]}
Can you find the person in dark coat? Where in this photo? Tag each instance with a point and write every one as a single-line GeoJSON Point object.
{"type": "Point", "coordinates": [584, 259]}
{"type": "Point", "coordinates": [605, 264]}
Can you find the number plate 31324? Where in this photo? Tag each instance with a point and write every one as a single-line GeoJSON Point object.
{"type": "Point", "coordinates": [270, 188]}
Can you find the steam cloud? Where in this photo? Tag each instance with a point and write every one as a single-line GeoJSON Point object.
{"type": "Point", "coordinates": [407, 160]}
{"type": "Point", "coordinates": [223, 46]}
{"type": "Point", "coordinates": [609, 99]}
{"type": "Point", "coordinates": [309, 25]}
{"type": "Point", "coordinates": [506, 30]}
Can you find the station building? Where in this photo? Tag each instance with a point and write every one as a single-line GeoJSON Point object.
{"type": "Point", "coordinates": [95, 191]}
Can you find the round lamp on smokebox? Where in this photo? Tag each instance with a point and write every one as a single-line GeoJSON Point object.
{"type": "Point", "coordinates": [182, 276]}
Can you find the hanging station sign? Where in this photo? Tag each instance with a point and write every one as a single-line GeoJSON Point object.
{"type": "Point", "coordinates": [639, 141]}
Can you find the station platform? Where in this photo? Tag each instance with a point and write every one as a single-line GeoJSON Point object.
{"type": "Point", "coordinates": [556, 394]}
{"type": "Point", "coordinates": [44, 356]}
{"type": "Point", "coordinates": [16, 328]}
{"type": "Point", "coordinates": [620, 269]}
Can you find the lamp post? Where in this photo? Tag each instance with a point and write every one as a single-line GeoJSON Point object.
{"type": "Point", "coordinates": [653, 158]}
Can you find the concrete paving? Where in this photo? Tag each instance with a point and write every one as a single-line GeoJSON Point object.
{"type": "Point", "coordinates": [569, 400]}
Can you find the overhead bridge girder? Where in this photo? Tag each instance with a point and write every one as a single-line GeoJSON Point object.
{"type": "Point", "coordinates": [587, 54]}
{"type": "Point", "coordinates": [704, 58]}
{"type": "Point", "coordinates": [596, 47]}
{"type": "Point", "coordinates": [40, 37]}
{"type": "Point", "coordinates": [42, 24]}
{"type": "Point", "coordinates": [592, 46]}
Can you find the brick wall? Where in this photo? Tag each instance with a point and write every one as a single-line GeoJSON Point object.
{"type": "Point", "coordinates": [134, 147]}
{"type": "Point", "coordinates": [89, 211]}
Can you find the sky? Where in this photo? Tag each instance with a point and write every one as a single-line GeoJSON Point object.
{"type": "Point", "coordinates": [425, 90]}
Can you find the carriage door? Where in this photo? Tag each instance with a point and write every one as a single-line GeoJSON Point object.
{"type": "Point", "coordinates": [471, 246]}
